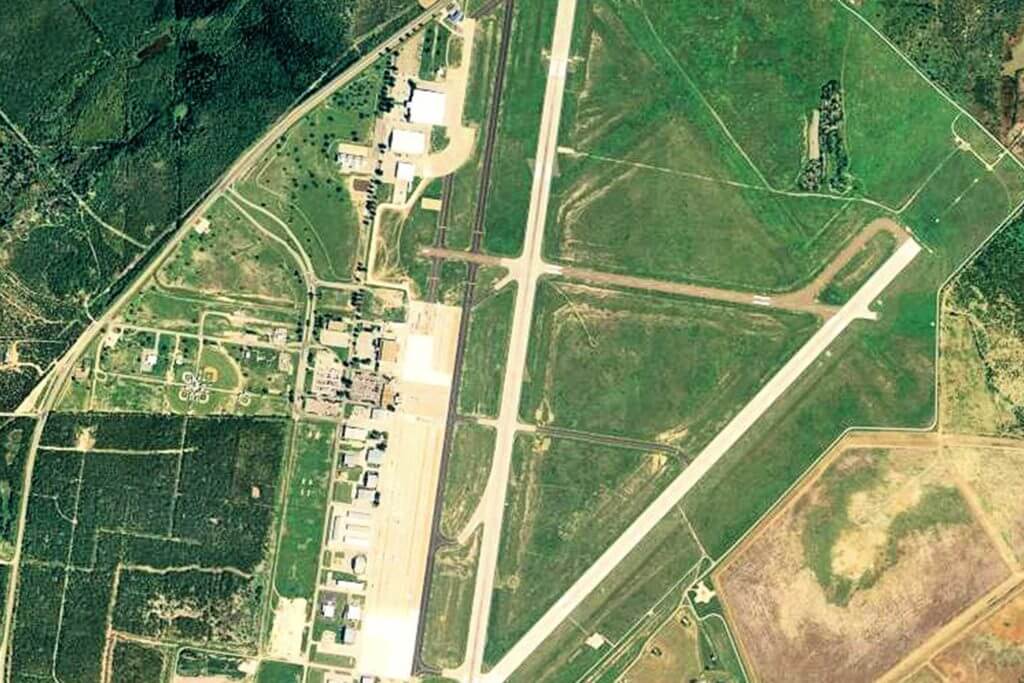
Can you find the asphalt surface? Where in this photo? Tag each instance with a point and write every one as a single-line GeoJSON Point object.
{"type": "Point", "coordinates": [857, 308]}
{"type": "Point", "coordinates": [526, 271]}
{"type": "Point", "coordinates": [437, 539]}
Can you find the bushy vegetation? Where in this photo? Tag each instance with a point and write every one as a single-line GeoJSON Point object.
{"type": "Point", "coordinates": [15, 439]}
{"type": "Point", "coordinates": [185, 529]}
{"type": "Point", "coordinates": [135, 663]}
{"type": "Point", "coordinates": [961, 44]}
{"type": "Point", "coordinates": [131, 110]}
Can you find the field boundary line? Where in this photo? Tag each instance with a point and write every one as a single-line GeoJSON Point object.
{"type": "Point", "coordinates": [703, 99]}
{"type": "Point", "coordinates": [945, 95]}
{"type": "Point", "coordinates": [770, 189]}
{"type": "Point", "coordinates": [639, 621]}
{"type": "Point", "coordinates": [812, 468]}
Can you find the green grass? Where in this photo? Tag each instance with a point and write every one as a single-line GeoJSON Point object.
{"type": "Point", "coordinates": [643, 580]}
{"type": "Point", "coordinates": [435, 49]}
{"type": "Point", "coordinates": [648, 366]}
{"type": "Point", "coordinates": [298, 180]}
{"type": "Point", "coordinates": [450, 604]}
{"type": "Point", "coordinates": [567, 501]}
{"type": "Point", "coordinates": [303, 524]}
{"type": "Point", "coordinates": [479, 90]}
{"type": "Point", "coordinates": [233, 258]}
{"type": "Point", "coordinates": [486, 349]}
{"type": "Point", "coordinates": [694, 111]}
{"type": "Point", "coordinates": [279, 672]}
{"type": "Point", "coordinates": [858, 269]}
{"type": "Point", "coordinates": [398, 256]}
{"type": "Point", "coordinates": [469, 466]}
{"type": "Point", "coordinates": [518, 126]}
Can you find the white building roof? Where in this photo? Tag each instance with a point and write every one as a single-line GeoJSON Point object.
{"type": "Point", "coordinates": [427, 106]}
{"type": "Point", "coordinates": [408, 141]}
{"type": "Point", "coordinates": [405, 171]}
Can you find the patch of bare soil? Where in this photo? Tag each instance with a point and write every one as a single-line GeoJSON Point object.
{"type": "Point", "coordinates": [286, 633]}
{"type": "Point", "coordinates": [997, 477]}
{"type": "Point", "coordinates": [993, 651]}
{"type": "Point", "coordinates": [781, 613]}
{"type": "Point", "coordinates": [670, 655]}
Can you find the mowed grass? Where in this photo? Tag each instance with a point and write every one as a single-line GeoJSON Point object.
{"type": "Point", "coordinates": [450, 603]}
{"type": "Point", "coordinates": [653, 573]}
{"type": "Point", "coordinates": [469, 466]}
{"type": "Point", "coordinates": [648, 366]}
{"type": "Point", "coordinates": [280, 672]}
{"type": "Point", "coordinates": [567, 501]}
{"type": "Point", "coordinates": [692, 176]}
{"type": "Point", "coordinates": [483, 369]}
{"type": "Point", "coordinates": [298, 180]}
{"type": "Point", "coordinates": [302, 528]}
{"type": "Point", "coordinates": [518, 126]}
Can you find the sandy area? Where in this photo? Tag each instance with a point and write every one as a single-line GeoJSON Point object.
{"type": "Point", "coordinates": [768, 587]}
{"type": "Point", "coordinates": [286, 634]}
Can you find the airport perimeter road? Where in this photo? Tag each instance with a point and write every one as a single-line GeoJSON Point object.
{"type": "Point", "coordinates": [525, 270]}
{"type": "Point", "coordinates": [46, 394]}
{"type": "Point", "coordinates": [857, 307]}
{"type": "Point", "coordinates": [62, 368]}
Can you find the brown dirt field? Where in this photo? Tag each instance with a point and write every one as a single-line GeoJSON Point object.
{"type": "Point", "coordinates": [993, 651]}
{"type": "Point", "coordinates": [997, 477]}
{"type": "Point", "coordinates": [789, 630]}
{"type": "Point", "coordinates": [671, 655]}
{"type": "Point", "coordinates": [923, 675]}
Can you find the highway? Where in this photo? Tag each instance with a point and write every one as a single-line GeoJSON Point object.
{"type": "Point", "coordinates": [526, 270]}
{"type": "Point", "coordinates": [857, 308]}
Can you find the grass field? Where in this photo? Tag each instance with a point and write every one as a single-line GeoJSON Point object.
{"type": "Point", "coordinates": [518, 125]}
{"type": "Point", "coordinates": [567, 500]}
{"type": "Point", "coordinates": [858, 269]}
{"type": "Point", "coordinates": [298, 180]}
{"type": "Point", "coordinates": [302, 527]}
{"type": "Point", "coordinates": [280, 672]}
{"type": "Point", "coordinates": [234, 258]}
{"type": "Point", "coordinates": [479, 90]}
{"type": "Point", "coordinates": [400, 239]}
{"type": "Point", "coordinates": [469, 466]}
{"type": "Point", "coordinates": [450, 603]}
{"type": "Point", "coordinates": [625, 608]}
{"type": "Point", "coordinates": [486, 349]}
{"type": "Point", "coordinates": [647, 366]}
{"type": "Point", "coordinates": [706, 152]}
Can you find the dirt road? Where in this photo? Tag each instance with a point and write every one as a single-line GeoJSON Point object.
{"type": "Point", "coordinates": [526, 270]}
{"type": "Point", "coordinates": [857, 307]}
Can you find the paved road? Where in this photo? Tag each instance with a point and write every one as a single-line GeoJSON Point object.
{"type": "Point", "coordinates": [526, 272]}
{"type": "Point", "coordinates": [44, 398]}
{"type": "Point", "coordinates": [437, 539]}
{"type": "Point", "coordinates": [803, 300]}
{"type": "Point", "coordinates": [857, 307]}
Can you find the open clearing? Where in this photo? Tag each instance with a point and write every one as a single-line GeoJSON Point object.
{"type": "Point", "coordinates": [649, 366]}
{"type": "Point", "coordinates": [567, 500]}
{"type": "Point", "coordinates": [863, 564]}
{"type": "Point", "coordinates": [706, 150]}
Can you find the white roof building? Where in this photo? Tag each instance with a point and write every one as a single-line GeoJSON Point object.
{"type": "Point", "coordinates": [404, 171]}
{"type": "Point", "coordinates": [408, 141]}
{"type": "Point", "coordinates": [427, 106]}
